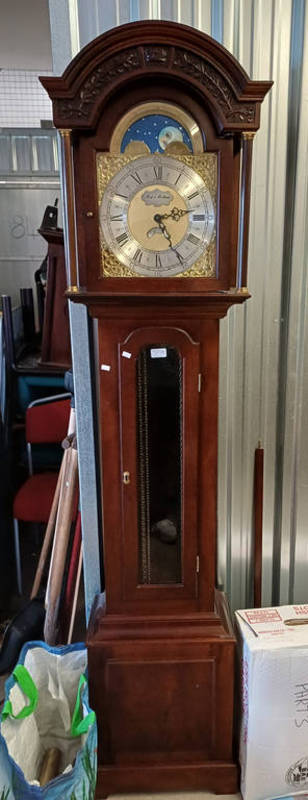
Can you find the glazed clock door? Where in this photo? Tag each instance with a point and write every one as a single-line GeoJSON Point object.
{"type": "Point", "coordinates": [150, 433]}
{"type": "Point", "coordinates": [159, 412]}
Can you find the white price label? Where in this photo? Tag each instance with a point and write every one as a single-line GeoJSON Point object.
{"type": "Point", "coordinates": [159, 352]}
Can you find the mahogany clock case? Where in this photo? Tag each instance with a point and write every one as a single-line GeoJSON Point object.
{"type": "Point", "coordinates": [161, 646]}
{"type": "Point", "coordinates": [161, 656]}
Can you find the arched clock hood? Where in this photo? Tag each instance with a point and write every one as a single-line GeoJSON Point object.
{"type": "Point", "coordinates": [156, 49]}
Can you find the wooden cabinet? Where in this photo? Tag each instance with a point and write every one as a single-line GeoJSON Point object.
{"type": "Point", "coordinates": [161, 656]}
{"type": "Point", "coordinates": [168, 682]}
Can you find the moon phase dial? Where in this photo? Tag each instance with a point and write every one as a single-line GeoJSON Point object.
{"type": "Point", "coordinates": [158, 215]}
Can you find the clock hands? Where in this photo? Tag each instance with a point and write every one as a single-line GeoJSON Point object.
{"type": "Point", "coordinates": [158, 218]}
{"type": "Point", "coordinates": [175, 214]}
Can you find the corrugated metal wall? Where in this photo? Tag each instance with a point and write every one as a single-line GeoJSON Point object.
{"type": "Point", "coordinates": [29, 181]}
{"type": "Point", "coordinates": [264, 365]}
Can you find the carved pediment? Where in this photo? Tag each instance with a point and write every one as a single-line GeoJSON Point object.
{"type": "Point", "coordinates": [177, 53]}
{"type": "Point", "coordinates": [202, 71]}
{"type": "Point", "coordinates": [108, 73]}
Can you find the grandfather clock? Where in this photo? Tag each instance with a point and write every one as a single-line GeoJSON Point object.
{"type": "Point", "coordinates": [157, 122]}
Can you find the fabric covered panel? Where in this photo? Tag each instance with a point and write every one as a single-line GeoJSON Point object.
{"type": "Point", "coordinates": [48, 422]}
{"type": "Point", "coordinates": [34, 499]}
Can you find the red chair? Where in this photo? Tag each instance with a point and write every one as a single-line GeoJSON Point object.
{"type": "Point", "coordinates": [47, 422]}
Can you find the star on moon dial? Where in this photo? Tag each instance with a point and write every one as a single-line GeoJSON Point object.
{"type": "Point", "coordinates": [157, 216]}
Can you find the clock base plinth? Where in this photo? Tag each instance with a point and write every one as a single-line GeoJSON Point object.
{"type": "Point", "coordinates": [217, 777]}
{"type": "Point", "coordinates": [162, 689]}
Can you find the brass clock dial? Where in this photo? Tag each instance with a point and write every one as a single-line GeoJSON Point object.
{"type": "Point", "coordinates": [157, 216]}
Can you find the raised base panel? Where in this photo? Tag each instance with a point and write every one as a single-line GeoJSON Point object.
{"type": "Point", "coordinates": [163, 695]}
{"type": "Point", "coordinates": [220, 778]}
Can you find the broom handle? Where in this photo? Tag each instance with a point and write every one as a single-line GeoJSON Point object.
{"type": "Point", "coordinates": [64, 477]}
{"type": "Point", "coordinates": [48, 533]}
{"type": "Point", "coordinates": [61, 539]}
{"type": "Point", "coordinates": [53, 512]}
{"type": "Point", "coordinates": [76, 592]}
{"type": "Point", "coordinates": [64, 519]}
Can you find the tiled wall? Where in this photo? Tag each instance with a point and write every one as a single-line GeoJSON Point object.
{"type": "Point", "coordinates": [23, 101]}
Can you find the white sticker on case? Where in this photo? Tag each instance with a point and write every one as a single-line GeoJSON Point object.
{"type": "Point", "coordinates": [105, 367]}
{"type": "Point", "coordinates": [125, 354]}
{"type": "Point", "coordinates": [159, 352]}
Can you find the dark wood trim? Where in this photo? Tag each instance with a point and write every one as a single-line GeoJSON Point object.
{"type": "Point", "coordinates": [222, 608]}
{"type": "Point", "coordinates": [213, 305]}
{"type": "Point", "coordinates": [212, 625]}
{"type": "Point", "coordinates": [219, 777]}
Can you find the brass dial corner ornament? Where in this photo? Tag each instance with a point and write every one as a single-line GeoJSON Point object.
{"type": "Point", "coordinates": [157, 215]}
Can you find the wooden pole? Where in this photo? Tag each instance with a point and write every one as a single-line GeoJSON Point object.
{"type": "Point", "coordinates": [60, 545]}
{"type": "Point", "coordinates": [258, 524]}
{"type": "Point", "coordinates": [67, 603]}
{"type": "Point", "coordinates": [76, 592]}
{"type": "Point", "coordinates": [49, 532]}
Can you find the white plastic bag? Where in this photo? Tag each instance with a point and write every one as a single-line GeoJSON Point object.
{"type": "Point", "coordinates": [57, 715]}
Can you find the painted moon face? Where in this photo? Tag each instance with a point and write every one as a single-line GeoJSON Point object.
{"type": "Point", "coordinates": [169, 134]}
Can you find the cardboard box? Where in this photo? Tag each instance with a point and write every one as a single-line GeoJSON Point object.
{"type": "Point", "coordinates": [273, 647]}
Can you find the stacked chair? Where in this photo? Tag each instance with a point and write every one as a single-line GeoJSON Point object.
{"type": "Point", "coordinates": [46, 423]}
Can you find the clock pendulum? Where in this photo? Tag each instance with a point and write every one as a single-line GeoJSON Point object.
{"type": "Point", "coordinates": [157, 123]}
